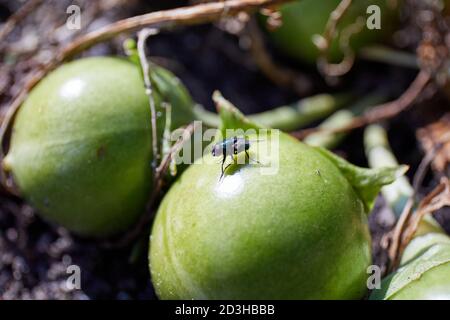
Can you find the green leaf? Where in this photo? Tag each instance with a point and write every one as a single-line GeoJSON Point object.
{"type": "Point", "coordinates": [436, 255]}
{"type": "Point", "coordinates": [366, 182]}
{"type": "Point", "coordinates": [422, 243]}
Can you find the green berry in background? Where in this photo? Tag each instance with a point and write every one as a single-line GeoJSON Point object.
{"type": "Point", "coordinates": [299, 233]}
{"type": "Point", "coordinates": [303, 19]}
{"type": "Point", "coordinates": [81, 149]}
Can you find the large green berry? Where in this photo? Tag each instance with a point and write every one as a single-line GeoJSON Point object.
{"type": "Point", "coordinates": [302, 19]}
{"type": "Point", "coordinates": [300, 233]}
{"type": "Point", "coordinates": [81, 143]}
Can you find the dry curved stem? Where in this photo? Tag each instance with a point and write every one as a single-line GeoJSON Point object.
{"type": "Point", "coordinates": [409, 224]}
{"type": "Point", "coordinates": [409, 221]}
{"type": "Point", "coordinates": [197, 14]}
{"type": "Point", "coordinates": [281, 76]}
{"type": "Point", "coordinates": [158, 184]}
{"type": "Point", "coordinates": [380, 112]}
{"type": "Point", "coordinates": [391, 240]}
{"type": "Point", "coordinates": [344, 66]}
{"type": "Point", "coordinates": [323, 42]}
{"type": "Point", "coordinates": [331, 26]}
{"type": "Point", "coordinates": [435, 200]}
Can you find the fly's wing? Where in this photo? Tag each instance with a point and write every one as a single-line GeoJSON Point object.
{"type": "Point", "coordinates": [242, 144]}
{"type": "Point", "coordinates": [254, 140]}
{"type": "Point", "coordinates": [222, 148]}
{"type": "Point", "coordinates": [249, 142]}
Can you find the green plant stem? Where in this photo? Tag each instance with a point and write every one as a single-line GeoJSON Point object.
{"type": "Point", "coordinates": [379, 154]}
{"type": "Point", "coordinates": [286, 118]}
{"type": "Point", "coordinates": [341, 119]}
{"type": "Point", "coordinates": [390, 56]}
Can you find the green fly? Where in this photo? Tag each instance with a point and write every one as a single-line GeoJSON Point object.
{"type": "Point", "coordinates": [231, 147]}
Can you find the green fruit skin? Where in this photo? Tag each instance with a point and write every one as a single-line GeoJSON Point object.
{"type": "Point", "coordinates": [299, 234]}
{"type": "Point", "coordinates": [81, 146]}
{"type": "Point", "coordinates": [304, 18]}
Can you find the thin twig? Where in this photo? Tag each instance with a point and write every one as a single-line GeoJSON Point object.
{"type": "Point", "coordinates": [198, 14]}
{"type": "Point", "coordinates": [378, 113]}
{"type": "Point", "coordinates": [330, 29]}
{"type": "Point", "coordinates": [397, 236]}
{"type": "Point", "coordinates": [142, 40]}
{"type": "Point", "coordinates": [435, 200]}
{"type": "Point", "coordinates": [323, 43]}
{"type": "Point", "coordinates": [392, 239]}
{"type": "Point", "coordinates": [432, 202]}
{"type": "Point", "coordinates": [345, 65]}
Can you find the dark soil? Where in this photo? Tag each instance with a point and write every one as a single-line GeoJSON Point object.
{"type": "Point", "coordinates": [34, 255]}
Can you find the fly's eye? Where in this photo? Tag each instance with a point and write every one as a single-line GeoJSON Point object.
{"type": "Point", "coordinates": [213, 152]}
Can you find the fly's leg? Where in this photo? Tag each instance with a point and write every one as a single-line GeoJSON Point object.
{"type": "Point", "coordinates": [232, 161]}
{"type": "Point", "coordinates": [223, 170]}
{"type": "Point", "coordinates": [250, 159]}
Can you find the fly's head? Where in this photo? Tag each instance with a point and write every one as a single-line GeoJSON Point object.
{"type": "Point", "coordinates": [216, 150]}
